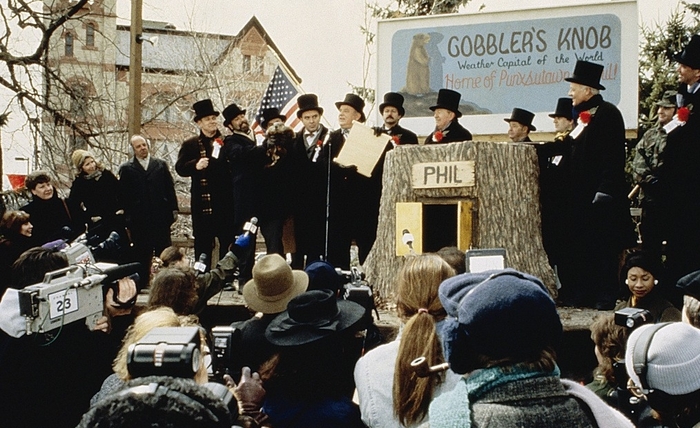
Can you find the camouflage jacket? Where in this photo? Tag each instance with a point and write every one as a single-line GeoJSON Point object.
{"type": "Point", "coordinates": [648, 158]}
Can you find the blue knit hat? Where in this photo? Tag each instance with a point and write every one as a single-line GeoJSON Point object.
{"type": "Point", "coordinates": [500, 314]}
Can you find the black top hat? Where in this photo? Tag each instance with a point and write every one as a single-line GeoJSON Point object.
{"type": "Point", "coordinates": [311, 316]}
{"type": "Point", "coordinates": [587, 74]}
{"type": "Point", "coordinates": [564, 109]}
{"type": "Point", "coordinates": [523, 117]}
{"type": "Point", "coordinates": [393, 99]}
{"type": "Point", "coordinates": [355, 102]}
{"type": "Point", "coordinates": [308, 102]}
{"type": "Point", "coordinates": [203, 108]}
{"type": "Point", "coordinates": [690, 55]}
{"type": "Point", "coordinates": [668, 100]}
{"type": "Point", "coordinates": [271, 113]}
{"type": "Point", "coordinates": [231, 112]}
{"type": "Point", "coordinates": [449, 100]}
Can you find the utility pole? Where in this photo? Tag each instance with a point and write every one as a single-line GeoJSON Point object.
{"type": "Point", "coordinates": [134, 110]}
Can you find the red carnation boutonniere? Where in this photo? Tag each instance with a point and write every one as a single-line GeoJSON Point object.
{"type": "Point", "coordinates": [438, 136]}
{"type": "Point", "coordinates": [585, 117]}
{"type": "Point", "coordinates": [219, 141]}
{"type": "Point", "coordinates": [396, 140]}
{"type": "Point", "coordinates": [683, 114]}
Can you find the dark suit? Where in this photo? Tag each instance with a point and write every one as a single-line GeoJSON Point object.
{"type": "Point", "coordinates": [217, 223]}
{"type": "Point", "coordinates": [246, 160]}
{"type": "Point", "coordinates": [309, 211]}
{"type": "Point", "coordinates": [604, 228]}
{"type": "Point", "coordinates": [148, 198]}
{"type": "Point", "coordinates": [452, 134]}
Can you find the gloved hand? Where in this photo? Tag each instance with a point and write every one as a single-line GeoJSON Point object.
{"type": "Point", "coordinates": [601, 197]}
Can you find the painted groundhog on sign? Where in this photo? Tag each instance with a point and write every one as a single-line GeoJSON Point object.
{"type": "Point", "coordinates": [418, 67]}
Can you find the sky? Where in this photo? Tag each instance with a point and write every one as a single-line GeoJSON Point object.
{"type": "Point", "coordinates": [321, 39]}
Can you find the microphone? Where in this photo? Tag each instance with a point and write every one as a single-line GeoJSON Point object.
{"type": "Point", "coordinates": [407, 238]}
{"type": "Point", "coordinates": [250, 227]}
{"type": "Point", "coordinates": [422, 369]}
{"type": "Point", "coordinates": [122, 271]}
{"type": "Point", "coordinates": [201, 265]}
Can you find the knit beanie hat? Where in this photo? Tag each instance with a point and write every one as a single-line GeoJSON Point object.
{"type": "Point", "coordinates": [672, 359]}
{"type": "Point", "coordinates": [78, 157]}
{"type": "Point", "coordinates": [500, 314]}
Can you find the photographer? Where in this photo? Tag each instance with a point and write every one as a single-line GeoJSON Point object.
{"type": "Point", "coordinates": [642, 272]}
{"type": "Point", "coordinates": [47, 379]}
{"type": "Point", "coordinates": [609, 339]}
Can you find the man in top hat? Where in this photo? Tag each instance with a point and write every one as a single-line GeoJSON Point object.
{"type": "Point", "coordinates": [309, 211]}
{"type": "Point", "coordinates": [599, 206]}
{"type": "Point", "coordinates": [648, 159]}
{"type": "Point", "coordinates": [344, 209]}
{"type": "Point", "coordinates": [554, 159]}
{"type": "Point", "coordinates": [679, 180]}
{"type": "Point", "coordinates": [392, 111]}
{"type": "Point", "coordinates": [520, 125]}
{"type": "Point", "coordinates": [271, 116]}
{"type": "Point", "coordinates": [246, 159]}
{"type": "Point", "coordinates": [211, 199]}
{"type": "Point", "coordinates": [446, 113]}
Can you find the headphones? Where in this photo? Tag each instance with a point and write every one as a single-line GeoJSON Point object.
{"type": "Point", "coordinates": [655, 397]}
{"type": "Point", "coordinates": [627, 281]}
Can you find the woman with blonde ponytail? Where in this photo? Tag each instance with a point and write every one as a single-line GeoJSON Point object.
{"type": "Point", "coordinates": [389, 392]}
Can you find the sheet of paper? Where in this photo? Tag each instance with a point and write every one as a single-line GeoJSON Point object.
{"type": "Point", "coordinates": [362, 149]}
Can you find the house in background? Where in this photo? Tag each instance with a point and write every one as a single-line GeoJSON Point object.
{"type": "Point", "coordinates": [86, 82]}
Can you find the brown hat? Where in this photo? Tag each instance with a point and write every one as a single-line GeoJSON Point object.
{"type": "Point", "coordinates": [78, 157]}
{"type": "Point", "coordinates": [273, 285]}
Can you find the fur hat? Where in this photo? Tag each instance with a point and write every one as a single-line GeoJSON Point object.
{"type": "Point", "coordinates": [523, 117]}
{"type": "Point", "coordinates": [312, 316]}
{"type": "Point", "coordinates": [393, 99]}
{"type": "Point", "coordinates": [78, 157]}
{"type": "Point", "coordinates": [203, 109]}
{"type": "Point", "coordinates": [355, 102]}
{"type": "Point", "coordinates": [564, 109]}
{"type": "Point", "coordinates": [672, 357]}
{"type": "Point", "coordinates": [587, 74]}
{"type": "Point", "coordinates": [308, 102]}
{"type": "Point", "coordinates": [690, 55]}
{"type": "Point", "coordinates": [449, 100]}
{"type": "Point", "coordinates": [273, 285]}
{"type": "Point", "coordinates": [500, 314]}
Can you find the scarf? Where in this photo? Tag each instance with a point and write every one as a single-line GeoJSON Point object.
{"type": "Point", "coordinates": [452, 409]}
{"type": "Point", "coordinates": [94, 176]}
{"type": "Point", "coordinates": [204, 183]}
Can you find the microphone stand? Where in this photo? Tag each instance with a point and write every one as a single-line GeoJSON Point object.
{"type": "Point", "coordinates": [328, 195]}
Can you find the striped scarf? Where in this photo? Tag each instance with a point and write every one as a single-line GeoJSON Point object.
{"type": "Point", "coordinates": [204, 183]}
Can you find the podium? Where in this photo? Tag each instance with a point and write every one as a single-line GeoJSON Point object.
{"type": "Point", "coordinates": [470, 195]}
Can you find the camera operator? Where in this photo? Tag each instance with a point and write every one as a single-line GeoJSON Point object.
{"type": "Point", "coordinates": [642, 272]}
{"type": "Point", "coordinates": [663, 364]}
{"type": "Point", "coordinates": [47, 379]}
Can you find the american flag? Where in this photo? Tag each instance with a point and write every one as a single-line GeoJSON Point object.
{"type": "Point", "coordinates": [281, 94]}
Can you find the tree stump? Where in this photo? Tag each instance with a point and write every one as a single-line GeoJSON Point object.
{"type": "Point", "coordinates": [506, 209]}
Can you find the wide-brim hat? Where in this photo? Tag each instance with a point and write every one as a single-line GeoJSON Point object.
{"type": "Point", "coordinates": [312, 316]}
{"type": "Point", "coordinates": [668, 99]}
{"type": "Point", "coordinates": [231, 112]}
{"type": "Point", "coordinates": [690, 55]}
{"type": "Point", "coordinates": [523, 117]}
{"type": "Point", "coordinates": [203, 108]}
{"type": "Point", "coordinates": [587, 74]}
{"type": "Point", "coordinates": [308, 102]}
{"type": "Point", "coordinates": [449, 100]}
{"type": "Point", "coordinates": [393, 99]}
{"type": "Point", "coordinates": [273, 285]}
{"type": "Point", "coordinates": [564, 109]}
{"type": "Point", "coordinates": [355, 102]}
{"type": "Point", "coordinates": [501, 314]}
{"type": "Point", "coordinates": [271, 113]}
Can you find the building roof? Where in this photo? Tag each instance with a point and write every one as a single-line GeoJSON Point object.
{"type": "Point", "coordinates": [179, 51]}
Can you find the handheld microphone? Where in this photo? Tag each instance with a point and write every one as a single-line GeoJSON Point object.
{"type": "Point", "coordinates": [201, 265]}
{"type": "Point", "coordinates": [250, 227]}
{"type": "Point", "coordinates": [422, 369]}
{"type": "Point", "coordinates": [407, 238]}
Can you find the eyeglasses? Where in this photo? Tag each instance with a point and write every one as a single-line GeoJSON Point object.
{"type": "Point", "coordinates": [634, 389]}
